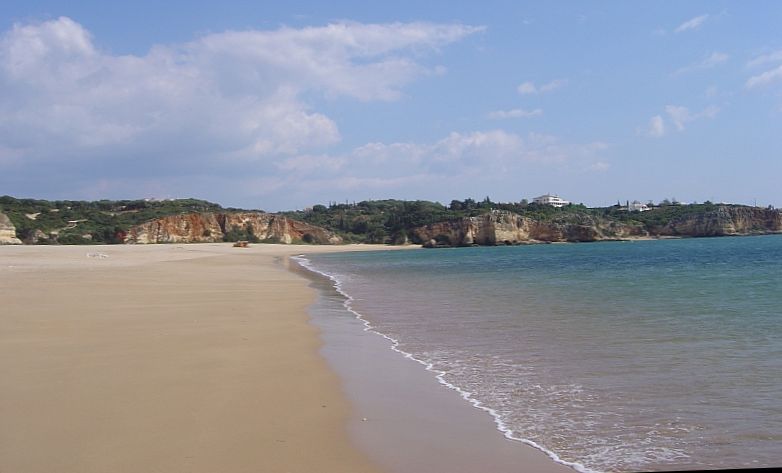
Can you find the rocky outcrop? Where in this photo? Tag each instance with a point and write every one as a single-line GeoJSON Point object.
{"type": "Point", "coordinates": [585, 228]}
{"type": "Point", "coordinates": [212, 227]}
{"type": "Point", "coordinates": [188, 228]}
{"type": "Point", "coordinates": [37, 237]}
{"type": "Point", "coordinates": [724, 220]}
{"type": "Point", "coordinates": [273, 227]}
{"type": "Point", "coordinates": [8, 231]}
{"type": "Point", "coordinates": [501, 227]}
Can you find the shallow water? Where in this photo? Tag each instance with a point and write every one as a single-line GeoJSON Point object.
{"type": "Point", "coordinates": [614, 356]}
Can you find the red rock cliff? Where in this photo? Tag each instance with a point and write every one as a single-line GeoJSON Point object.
{"type": "Point", "coordinates": [212, 227]}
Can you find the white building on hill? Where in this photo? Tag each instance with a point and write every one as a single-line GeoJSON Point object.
{"type": "Point", "coordinates": [552, 200]}
{"type": "Point", "coordinates": [636, 206]}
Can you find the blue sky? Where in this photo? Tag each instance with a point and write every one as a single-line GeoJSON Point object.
{"type": "Point", "coordinates": [283, 105]}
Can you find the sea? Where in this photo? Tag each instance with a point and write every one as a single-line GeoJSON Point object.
{"type": "Point", "coordinates": [614, 356]}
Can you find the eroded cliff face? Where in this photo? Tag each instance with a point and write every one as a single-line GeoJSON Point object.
{"type": "Point", "coordinates": [8, 231]}
{"type": "Point", "coordinates": [189, 228]}
{"type": "Point", "coordinates": [212, 227]}
{"type": "Point", "coordinates": [275, 227]}
{"type": "Point", "coordinates": [501, 227]}
{"type": "Point", "coordinates": [724, 220]}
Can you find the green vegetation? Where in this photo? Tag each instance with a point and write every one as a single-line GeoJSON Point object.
{"type": "Point", "coordinates": [237, 233]}
{"type": "Point", "coordinates": [81, 222]}
{"type": "Point", "coordinates": [661, 215]}
{"type": "Point", "coordinates": [378, 221]}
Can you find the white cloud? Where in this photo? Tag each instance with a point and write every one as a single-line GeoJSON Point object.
{"type": "Point", "coordinates": [681, 115]}
{"type": "Point", "coordinates": [553, 85]}
{"type": "Point", "coordinates": [529, 87]}
{"type": "Point", "coordinates": [712, 60]}
{"type": "Point", "coordinates": [656, 126]}
{"type": "Point", "coordinates": [678, 116]}
{"type": "Point", "coordinates": [772, 57]}
{"type": "Point", "coordinates": [765, 78]}
{"type": "Point", "coordinates": [230, 95]}
{"type": "Point", "coordinates": [514, 113]}
{"type": "Point", "coordinates": [234, 115]}
{"type": "Point", "coordinates": [692, 24]}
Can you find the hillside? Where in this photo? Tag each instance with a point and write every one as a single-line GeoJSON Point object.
{"type": "Point", "coordinates": [461, 223]}
{"type": "Point", "coordinates": [80, 222]}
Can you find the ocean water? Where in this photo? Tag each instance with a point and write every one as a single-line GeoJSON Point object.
{"type": "Point", "coordinates": [620, 356]}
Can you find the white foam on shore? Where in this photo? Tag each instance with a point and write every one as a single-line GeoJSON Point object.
{"type": "Point", "coordinates": [304, 262]}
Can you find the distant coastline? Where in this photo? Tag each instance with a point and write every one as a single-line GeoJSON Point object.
{"type": "Point", "coordinates": [393, 222]}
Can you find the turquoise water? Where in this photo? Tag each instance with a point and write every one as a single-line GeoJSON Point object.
{"type": "Point", "coordinates": [620, 356]}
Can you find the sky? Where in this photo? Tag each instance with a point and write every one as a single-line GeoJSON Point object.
{"type": "Point", "coordinates": [283, 105]}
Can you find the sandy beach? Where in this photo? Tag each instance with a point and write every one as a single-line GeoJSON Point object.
{"type": "Point", "coordinates": [164, 358]}
{"type": "Point", "coordinates": [183, 358]}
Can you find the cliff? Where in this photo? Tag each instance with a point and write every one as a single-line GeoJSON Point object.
{"type": "Point", "coordinates": [7, 232]}
{"type": "Point", "coordinates": [462, 223]}
{"type": "Point", "coordinates": [722, 221]}
{"type": "Point", "coordinates": [209, 227]}
{"type": "Point", "coordinates": [503, 227]}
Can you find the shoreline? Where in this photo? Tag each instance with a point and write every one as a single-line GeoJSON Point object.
{"type": "Point", "coordinates": [447, 421]}
{"type": "Point", "coordinates": [165, 358]}
{"type": "Point", "coordinates": [204, 358]}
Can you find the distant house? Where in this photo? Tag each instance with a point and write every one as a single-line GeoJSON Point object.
{"type": "Point", "coordinates": [552, 200]}
{"type": "Point", "coordinates": [636, 206]}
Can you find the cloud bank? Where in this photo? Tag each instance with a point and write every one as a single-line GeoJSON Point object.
{"type": "Point", "coordinates": [231, 95]}
{"type": "Point", "coordinates": [234, 117]}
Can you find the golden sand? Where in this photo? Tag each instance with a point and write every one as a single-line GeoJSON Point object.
{"type": "Point", "coordinates": [165, 358]}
